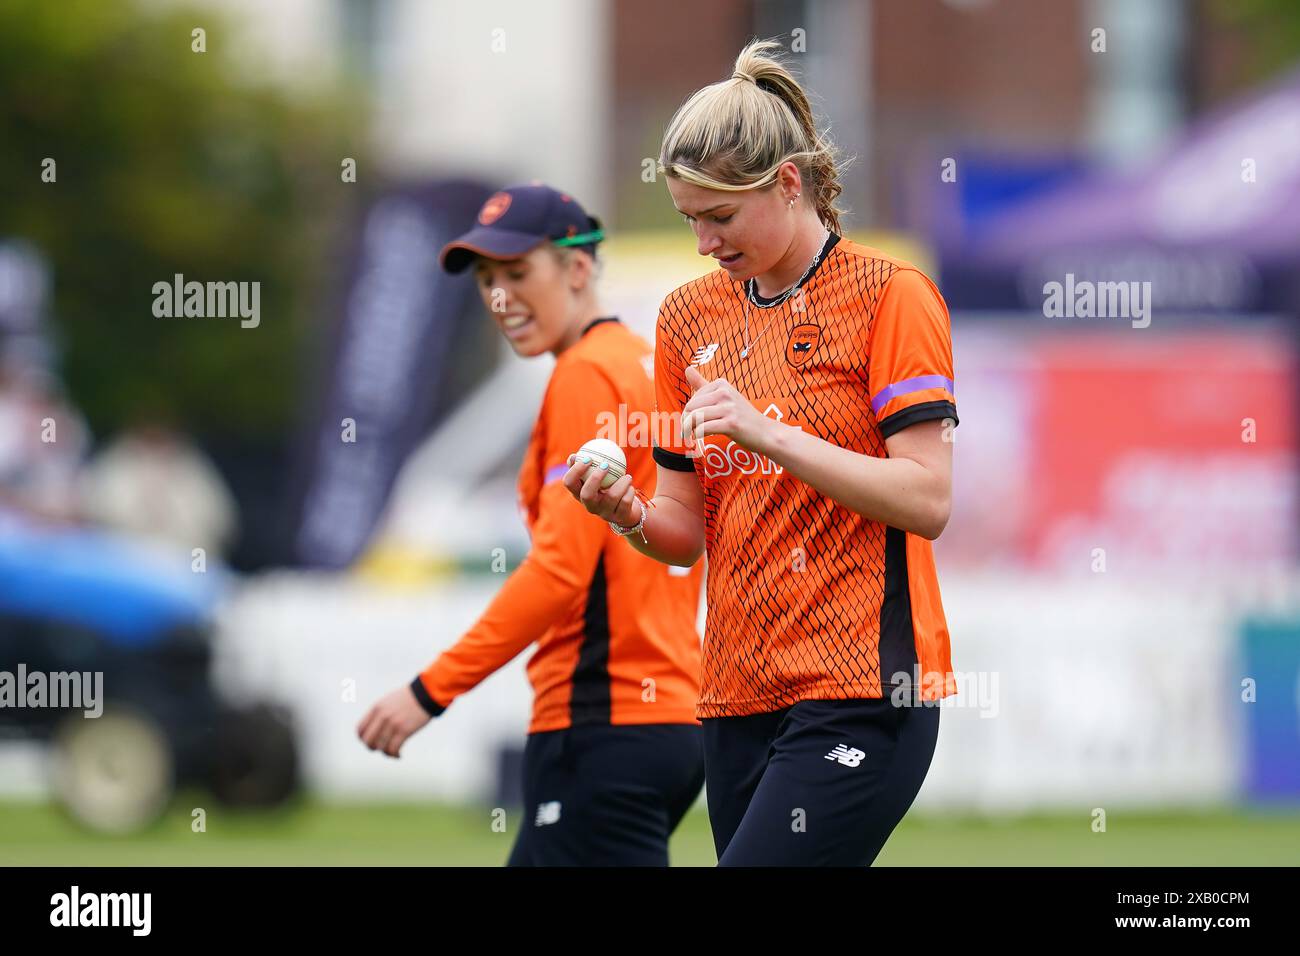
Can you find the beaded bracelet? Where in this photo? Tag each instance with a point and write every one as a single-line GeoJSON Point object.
{"type": "Point", "coordinates": [621, 531]}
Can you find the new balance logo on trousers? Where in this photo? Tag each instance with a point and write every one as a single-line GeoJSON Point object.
{"type": "Point", "coordinates": [849, 756]}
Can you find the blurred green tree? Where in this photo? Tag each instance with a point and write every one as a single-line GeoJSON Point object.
{"type": "Point", "coordinates": [168, 161]}
{"type": "Point", "coordinates": [1273, 29]}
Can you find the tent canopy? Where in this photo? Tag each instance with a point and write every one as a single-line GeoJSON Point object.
{"type": "Point", "coordinates": [1213, 222]}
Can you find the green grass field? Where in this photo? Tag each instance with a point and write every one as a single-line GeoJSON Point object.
{"type": "Point", "coordinates": [315, 834]}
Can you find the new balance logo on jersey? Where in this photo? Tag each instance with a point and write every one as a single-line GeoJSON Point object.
{"type": "Point", "coordinates": [704, 353]}
{"type": "Point", "coordinates": [849, 756]}
{"type": "Point", "coordinates": [547, 813]}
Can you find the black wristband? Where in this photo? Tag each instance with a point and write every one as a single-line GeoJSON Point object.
{"type": "Point", "coordinates": [431, 706]}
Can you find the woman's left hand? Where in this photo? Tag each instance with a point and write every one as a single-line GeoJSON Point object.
{"type": "Point", "coordinates": [717, 408]}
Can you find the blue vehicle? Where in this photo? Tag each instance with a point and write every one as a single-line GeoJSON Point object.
{"type": "Point", "coordinates": [98, 609]}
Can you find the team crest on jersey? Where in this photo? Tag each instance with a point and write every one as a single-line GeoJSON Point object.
{"type": "Point", "coordinates": [802, 343]}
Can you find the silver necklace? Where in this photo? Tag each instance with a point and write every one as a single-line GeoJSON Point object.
{"type": "Point", "coordinates": [751, 288]}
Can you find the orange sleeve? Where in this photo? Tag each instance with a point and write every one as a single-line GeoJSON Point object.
{"type": "Point", "coordinates": [910, 354]}
{"type": "Point", "coordinates": [671, 394]}
{"type": "Point", "coordinates": [566, 545]}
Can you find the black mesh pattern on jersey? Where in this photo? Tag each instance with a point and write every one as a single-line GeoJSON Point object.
{"type": "Point", "coordinates": [796, 582]}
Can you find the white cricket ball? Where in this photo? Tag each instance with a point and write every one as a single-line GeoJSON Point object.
{"type": "Point", "coordinates": [603, 450]}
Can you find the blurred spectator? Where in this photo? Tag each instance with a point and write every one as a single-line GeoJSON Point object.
{"type": "Point", "coordinates": [151, 481]}
{"type": "Point", "coordinates": [43, 441]}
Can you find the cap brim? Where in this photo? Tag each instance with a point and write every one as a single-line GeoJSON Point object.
{"type": "Point", "coordinates": [492, 243]}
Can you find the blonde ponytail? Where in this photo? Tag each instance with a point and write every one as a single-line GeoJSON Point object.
{"type": "Point", "coordinates": [734, 135]}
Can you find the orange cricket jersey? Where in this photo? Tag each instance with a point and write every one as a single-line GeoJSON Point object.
{"type": "Point", "coordinates": [615, 630]}
{"type": "Point", "coordinates": [808, 600]}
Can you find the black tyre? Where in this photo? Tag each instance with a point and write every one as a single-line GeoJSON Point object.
{"type": "Point", "coordinates": [255, 763]}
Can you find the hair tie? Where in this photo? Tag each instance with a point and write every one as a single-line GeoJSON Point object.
{"type": "Point", "coordinates": [763, 83]}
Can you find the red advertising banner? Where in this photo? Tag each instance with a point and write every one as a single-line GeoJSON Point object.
{"type": "Point", "coordinates": [1125, 451]}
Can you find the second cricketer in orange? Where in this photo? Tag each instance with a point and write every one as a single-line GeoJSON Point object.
{"type": "Point", "coordinates": [613, 758]}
